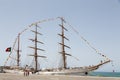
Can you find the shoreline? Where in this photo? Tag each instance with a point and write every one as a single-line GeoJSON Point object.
{"type": "Point", "coordinates": [9, 76]}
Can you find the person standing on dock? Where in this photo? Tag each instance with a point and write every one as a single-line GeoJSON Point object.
{"type": "Point", "coordinates": [26, 71]}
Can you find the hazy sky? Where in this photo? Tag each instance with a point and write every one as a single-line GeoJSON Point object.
{"type": "Point", "coordinates": [97, 20]}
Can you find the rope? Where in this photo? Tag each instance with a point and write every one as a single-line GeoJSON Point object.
{"type": "Point", "coordinates": [75, 58]}
{"type": "Point", "coordinates": [10, 52]}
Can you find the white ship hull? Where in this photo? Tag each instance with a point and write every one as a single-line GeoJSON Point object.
{"type": "Point", "coordinates": [72, 71]}
{"type": "Point", "coordinates": [60, 71]}
{"type": "Point", "coordinates": [80, 71]}
{"type": "Point", "coordinates": [77, 70]}
{"type": "Point", "coordinates": [14, 71]}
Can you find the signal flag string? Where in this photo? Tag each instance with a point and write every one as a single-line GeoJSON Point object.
{"type": "Point", "coordinates": [33, 24]}
{"type": "Point", "coordinates": [97, 51]}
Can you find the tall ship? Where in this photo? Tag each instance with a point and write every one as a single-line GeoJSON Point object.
{"type": "Point", "coordinates": [36, 64]}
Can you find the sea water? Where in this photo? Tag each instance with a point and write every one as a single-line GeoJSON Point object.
{"type": "Point", "coordinates": [105, 74]}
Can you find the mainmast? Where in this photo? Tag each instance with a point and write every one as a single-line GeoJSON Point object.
{"type": "Point", "coordinates": [36, 47]}
{"type": "Point", "coordinates": [63, 52]}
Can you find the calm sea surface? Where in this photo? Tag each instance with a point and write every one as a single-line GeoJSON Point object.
{"type": "Point", "coordinates": [105, 74]}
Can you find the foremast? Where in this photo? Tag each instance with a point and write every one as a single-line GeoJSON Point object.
{"type": "Point", "coordinates": [62, 43]}
{"type": "Point", "coordinates": [35, 40]}
{"type": "Point", "coordinates": [18, 51]}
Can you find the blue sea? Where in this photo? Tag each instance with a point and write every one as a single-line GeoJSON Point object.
{"type": "Point", "coordinates": [105, 74]}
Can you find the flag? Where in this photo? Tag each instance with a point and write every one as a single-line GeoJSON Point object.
{"type": "Point", "coordinates": [8, 49]}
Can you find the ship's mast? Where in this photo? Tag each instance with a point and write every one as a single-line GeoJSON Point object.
{"type": "Point", "coordinates": [63, 43]}
{"type": "Point", "coordinates": [36, 48]}
{"type": "Point", "coordinates": [36, 58]}
{"type": "Point", "coordinates": [18, 51]}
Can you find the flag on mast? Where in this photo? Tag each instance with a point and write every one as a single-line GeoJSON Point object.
{"type": "Point", "coordinates": [8, 49]}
